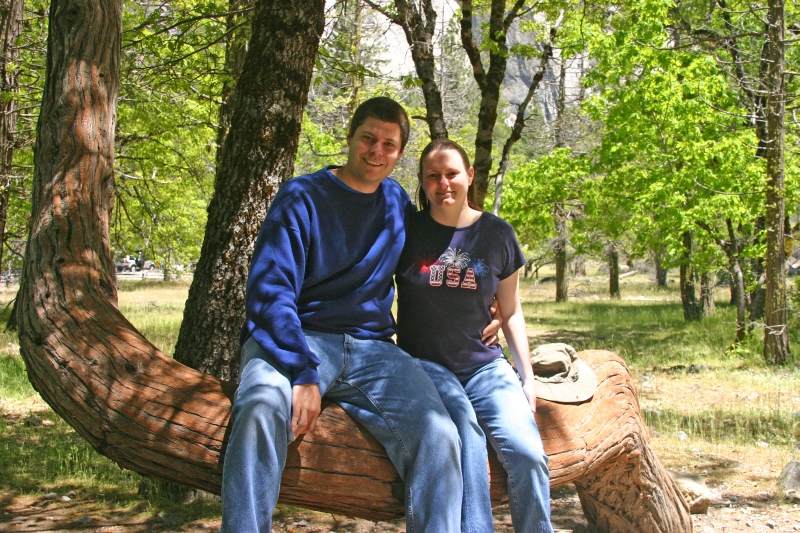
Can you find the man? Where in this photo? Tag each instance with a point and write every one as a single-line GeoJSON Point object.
{"type": "Point", "coordinates": [318, 322]}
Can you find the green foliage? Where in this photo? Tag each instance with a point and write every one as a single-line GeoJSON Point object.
{"type": "Point", "coordinates": [168, 106]}
{"type": "Point", "coordinates": [676, 155]}
{"type": "Point", "coordinates": [533, 193]}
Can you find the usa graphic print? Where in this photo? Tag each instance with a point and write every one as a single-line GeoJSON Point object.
{"type": "Point", "coordinates": [448, 267]}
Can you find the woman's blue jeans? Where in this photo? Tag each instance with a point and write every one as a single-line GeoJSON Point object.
{"type": "Point", "coordinates": [488, 402]}
{"type": "Point", "coordinates": [376, 383]}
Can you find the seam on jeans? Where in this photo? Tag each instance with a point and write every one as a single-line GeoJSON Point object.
{"type": "Point", "coordinates": [347, 346]}
{"type": "Point", "coordinates": [512, 495]}
{"type": "Point", "coordinates": [410, 511]}
{"type": "Point", "coordinates": [383, 414]}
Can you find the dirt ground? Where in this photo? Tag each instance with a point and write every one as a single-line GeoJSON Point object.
{"type": "Point", "coordinates": [747, 501]}
{"type": "Point", "coordinates": [34, 514]}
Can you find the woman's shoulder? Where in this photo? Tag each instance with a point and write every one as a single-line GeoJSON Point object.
{"type": "Point", "coordinates": [495, 223]}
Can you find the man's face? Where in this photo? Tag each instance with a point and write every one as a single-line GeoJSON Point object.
{"type": "Point", "coordinates": [374, 150]}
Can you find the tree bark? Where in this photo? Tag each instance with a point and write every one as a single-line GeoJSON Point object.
{"type": "Point", "coordinates": [258, 156]}
{"type": "Point", "coordinates": [560, 248]}
{"type": "Point", "coordinates": [661, 273]}
{"type": "Point", "coordinates": [613, 271]}
{"type": "Point", "coordinates": [10, 26]}
{"type": "Point", "coordinates": [707, 283]}
{"type": "Point", "coordinates": [691, 307]}
{"type": "Point", "coordinates": [237, 28]}
{"type": "Point", "coordinates": [776, 319]}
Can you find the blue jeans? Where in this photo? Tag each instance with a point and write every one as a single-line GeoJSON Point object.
{"type": "Point", "coordinates": [376, 383]}
{"type": "Point", "coordinates": [488, 402]}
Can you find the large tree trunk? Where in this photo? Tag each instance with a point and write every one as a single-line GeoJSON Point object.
{"type": "Point", "coordinates": [258, 156]}
{"type": "Point", "coordinates": [776, 319]}
{"type": "Point", "coordinates": [10, 26]}
{"type": "Point", "coordinates": [237, 29]}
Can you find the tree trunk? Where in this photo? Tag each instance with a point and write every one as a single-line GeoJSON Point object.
{"type": "Point", "coordinates": [776, 319]}
{"type": "Point", "coordinates": [578, 266]}
{"type": "Point", "coordinates": [419, 28]}
{"type": "Point", "coordinates": [258, 156]}
{"type": "Point", "coordinates": [237, 27]}
{"type": "Point", "coordinates": [691, 307]}
{"type": "Point", "coordinates": [661, 274]}
{"type": "Point", "coordinates": [613, 271]}
{"type": "Point", "coordinates": [560, 246]}
{"type": "Point", "coordinates": [10, 26]}
{"type": "Point", "coordinates": [737, 300]}
{"type": "Point", "coordinates": [708, 305]}
{"type": "Point", "coordinates": [519, 123]}
{"type": "Point", "coordinates": [488, 81]}
{"type": "Point", "coordinates": [737, 281]}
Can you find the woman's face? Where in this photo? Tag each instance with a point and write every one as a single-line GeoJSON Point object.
{"type": "Point", "coordinates": [444, 178]}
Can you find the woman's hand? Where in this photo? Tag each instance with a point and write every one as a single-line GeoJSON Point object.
{"type": "Point", "coordinates": [530, 393]}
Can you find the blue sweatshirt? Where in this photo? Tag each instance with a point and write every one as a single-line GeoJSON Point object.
{"type": "Point", "coordinates": [324, 260]}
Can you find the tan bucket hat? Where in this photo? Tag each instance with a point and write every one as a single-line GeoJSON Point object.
{"type": "Point", "coordinates": [561, 376]}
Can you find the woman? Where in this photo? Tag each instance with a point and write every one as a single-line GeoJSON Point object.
{"type": "Point", "coordinates": [455, 261]}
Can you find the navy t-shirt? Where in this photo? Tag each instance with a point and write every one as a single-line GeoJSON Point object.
{"type": "Point", "coordinates": [446, 280]}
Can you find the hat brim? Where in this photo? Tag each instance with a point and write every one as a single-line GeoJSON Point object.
{"type": "Point", "coordinates": [570, 392]}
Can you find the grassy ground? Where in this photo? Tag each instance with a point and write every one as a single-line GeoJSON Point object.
{"type": "Point", "coordinates": [729, 417]}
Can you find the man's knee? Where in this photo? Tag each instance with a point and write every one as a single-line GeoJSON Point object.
{"type": "Point", "coordinates": [265, 408]}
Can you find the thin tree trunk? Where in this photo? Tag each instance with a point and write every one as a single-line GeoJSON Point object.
{"type": "Point", "coordinates": [258, 156]}
{"type": "Point", "coordinates": [776, 320]}
{"type": "Point", "coordinates": [613, 271]}
{"type": "Point", "coordinates": [519, 122]}
{"type": "Point", "coordinates": [707, 283]}
{"type": "Point", "coordinates": [661, 272]}
{"type": "Point", "coordinates": [10, 26]}
{"type": "Point", "coordinates": [691, 307]}
{"type": "Point", "coordinates": [355, 57]}
{"type": "Point", "coordinates": [737, 281]}
{"type": "Point", "coordinates": [560, 248]}
{"type": "Point", "coordinates": [419, 28]}
{"type": "Point", "coordinates": [578, 266]}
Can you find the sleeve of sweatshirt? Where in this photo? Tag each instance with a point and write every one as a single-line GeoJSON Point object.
{"type": "Point", "coordinates": [273, 287]}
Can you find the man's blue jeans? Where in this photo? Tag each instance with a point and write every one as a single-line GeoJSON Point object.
{"type": "Point", "coordinates": [376, 383]}
{"type": "Point", "coordinates": [488, 401]}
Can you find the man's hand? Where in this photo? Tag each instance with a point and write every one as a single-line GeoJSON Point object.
{"type": "Point", "coordinates": [489, 334]}
{"type": "Point", "coordinates": [306, 406]}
